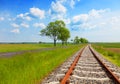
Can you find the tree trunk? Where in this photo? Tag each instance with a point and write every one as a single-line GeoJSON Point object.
{"type": "Point", "coordinates": [66, 42]}
{"type": "Point", "coordinates": [62, 42]}
{"type": "Point", "coordinates": [54, 42]}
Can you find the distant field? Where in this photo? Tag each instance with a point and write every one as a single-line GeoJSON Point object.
{"type": "Point", "coordinates": [115, 50]}
{"type": "Point", "coordinates": [110, 51]}
{"type": "Point", "coordinates": [20, 47]}
{"type": "Point", "coordinates": [109, 45]}
{"type": "Point", "coordinates": [32, 67]}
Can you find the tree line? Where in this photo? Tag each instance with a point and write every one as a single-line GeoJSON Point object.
{"type": "Point", "coordinates": [78, 40]}
{"type": "Point", "coordinates": [57, 31]}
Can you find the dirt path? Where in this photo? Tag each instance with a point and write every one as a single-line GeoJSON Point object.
{"type": "Point", "coordinates": [10, 54]}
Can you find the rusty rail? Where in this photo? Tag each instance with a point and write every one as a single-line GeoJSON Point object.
{"type": "Point", "coordinates": [110, 73]}
{"type": "Point", "coordinates": [70, 70]}
{"type": "Point", "coordinates": [65, 79]}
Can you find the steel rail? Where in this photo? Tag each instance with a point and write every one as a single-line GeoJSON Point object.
{"type": "Point", "coordinates": [110, 73]}
{"type": "Point", "coordinates": [70, 70]}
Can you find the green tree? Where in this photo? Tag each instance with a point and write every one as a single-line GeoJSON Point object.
{"type": "Point", "coordinates": [83, 40]}
{"type": "Point", "coordinates": [64, 34]}
{"type": "Point", "coordinates": [76, 40]}
{"type": "Point", "coordinates": [53, 30]}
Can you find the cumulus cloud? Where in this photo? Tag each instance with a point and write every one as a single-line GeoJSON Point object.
{"type": "Point", "coordinates": [24, 25]}
{"type": "Point", "coordinates": [58, 10]}
{"type": "Point", "coordinates": [72, 3]}
{"type": "Point", "coordinates": [37, 12]}
{"type": "Point", "coordinates": [66, 20]}
{"type": "Point", "coordinates": [81, 17]}
{"type": "Point", "coordinates": [92, 19]}
{"type": "Point", "coordinates": [16, 31]}
{"type": "Point", "coordinates": [97, 13]}
{"type": "Point", "coordinates": [58, 7]}
{"type": "Point", "coordinates": [15, 25]}
{"type": "Point", "coordinates": [92, 15]}
{"type": "Point", "coordinates": [24, 16]}
{"type": "Point", "coordinates": [1, 18]}
{"type": "Point", "coordinates": [62, 1]}
{"type": "Point", "coordinates": [40, 25]}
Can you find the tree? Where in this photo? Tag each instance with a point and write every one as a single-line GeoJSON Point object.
{"type": "Point", "coordinates": [83, 40]}
{"type": "Point", "coordinates": [64, 34]}
{"type": "Point", "coordinates": [53, 30]}
{"type": "Point", "coordinates": [76, 40]}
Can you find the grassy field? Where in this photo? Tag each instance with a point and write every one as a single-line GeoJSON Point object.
{"type": "Point", "coordinates": [30, 67]}
{"type": "Point", "coordinates": [110, 51]}
{"type": "Point", "coordinates": [20, 47]}
{"type": "Point", "coordinates": [109, 45]}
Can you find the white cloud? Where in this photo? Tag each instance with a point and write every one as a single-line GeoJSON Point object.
{"type": "Point", "coordinates": [62, 1]}
{"type": "Point", "coordinates": [81, 17]}
{"type": "Point", "coordinates": [67, 21]}
{"type": "Point", "coordinates": [37, 12]}
{"type": "Point", "coordinates": [24, 25]}
{"type": "Point", "coordinates": [41, 25]}
{"type": "Point", "coordinates": [15, 31]}
{"type": "Point", "coordinates": [72, 3]}
{"type": "Point", "coordinates": [1, 18]}
{"type": "Point", "coordinates": [15, 25]}
{"type": "Point", "coordinates": [21, 25]}
{"type": "Point", "coordinates": [87, 26]}
{"type": "Point", "coordinates": [24, 16]}
{"type": "Point", "coordinates": [92, 19]}
{"type": "Point", "coordinates": [97, 13]}
{"type": "Point", "coordinates": [57, 10]}
{"type": "Point", "coordinates": [92, 15]}
{"type": "Point", "coordinates": [58, 7]}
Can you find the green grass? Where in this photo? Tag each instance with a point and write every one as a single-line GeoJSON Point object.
{"type": "Point", "coordinates": [109, 55]}
{"type": "Point", "coordinates": [31, 68]}
{"type": "Point", "coordinates": [108, 45]}
{"type": "Point", "coordinates": [20, 47]}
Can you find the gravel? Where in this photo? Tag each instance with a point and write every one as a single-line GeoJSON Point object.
{"type": "Point", "coordinates": [87, 70]}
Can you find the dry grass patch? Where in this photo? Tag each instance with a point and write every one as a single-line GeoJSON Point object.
{"type": "Point", "coordinates": [116, 50]}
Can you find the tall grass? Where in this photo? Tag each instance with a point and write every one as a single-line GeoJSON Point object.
{"type": "Point", "coordinates": [108, 45]}
{"type": "Point", "coordinates": [20, 47]}
{"type": "Point", "coordinates": [31, 68]}
{"type": "Point", "coordinates": [109, 55]}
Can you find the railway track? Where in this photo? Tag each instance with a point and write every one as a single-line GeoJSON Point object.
{"type": "Point", "coordinates": [86, 67]}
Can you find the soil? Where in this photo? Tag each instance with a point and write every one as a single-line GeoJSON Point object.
{"type": "Point", "coordinates": [116, 50]}
{"type": "Point", "coordinates": [10, 54]}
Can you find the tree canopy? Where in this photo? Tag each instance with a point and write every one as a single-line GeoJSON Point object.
{"type": "Point", "coordinates": [78, 40]}
{"type": "Point", "coordinates": [57, 31]}
{"type": "Point", "coordinates": [64, 35]}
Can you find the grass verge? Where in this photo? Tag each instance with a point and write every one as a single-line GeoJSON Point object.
{"type": "Point", "coordinates": [109, 55]}
{"type": "Point", "coordinates": [31, 68]}
{"type": "Point", "coordinates": [20, 47]}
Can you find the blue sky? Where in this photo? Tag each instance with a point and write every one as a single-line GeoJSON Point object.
{"type": "Point", "coordinates": [96, 20]}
